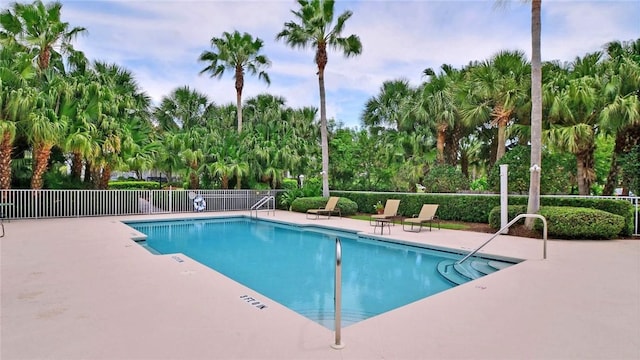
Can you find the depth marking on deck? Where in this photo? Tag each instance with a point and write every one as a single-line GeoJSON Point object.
{"type": "Point", "coordinates": [252, 301]}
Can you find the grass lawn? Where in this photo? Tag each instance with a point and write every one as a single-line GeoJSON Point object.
{"type": "Point", "coordinates": [443, 224]}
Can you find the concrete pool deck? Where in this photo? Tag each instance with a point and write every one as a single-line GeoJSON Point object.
{"type": "Point", "coordinates": [82, 289]}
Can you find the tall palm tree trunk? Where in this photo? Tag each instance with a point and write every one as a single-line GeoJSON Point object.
{"type": "Point", "coordinates": [193, 177]}
{"type": "Point", "coordinates": [503, 120]}
{"type": "Point", "coordinates": [585, 171]}
{"type": "Point", "coordinates": [76, 166]}
{"type": "Point", "coordinates": [105, 176]}
{"type": "Point", "coordinates": [224, 182]}
{"type": "Point", "coordinates": [6, 148]}
{"type": "Point", "coordinates": [321, 59]}
{"type": "Point", "coordinates": [87, 172]}
{"type": "Point", "coordinates": [533, 204]}
{"type": "Point", "coordinates": [41, 155]}
{"type": "Point", "coordinates": [239, 86]}
{"type": "Point", "coordinates": [626, 139]}
{"type": "Point", "coordinates": [96, 175]}
{"type": "Point", "coordinates": [442, 128]}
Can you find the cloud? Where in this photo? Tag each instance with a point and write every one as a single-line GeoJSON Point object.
{"type": "Point", "coordinates": [161, 40]}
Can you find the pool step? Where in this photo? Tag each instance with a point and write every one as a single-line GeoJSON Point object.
{"type": "Point", "coordinates": [483, 267]}
{"type": "Point", "coordinates": [469, 270]}
{"type": "Point", "coordinates": [446, 268]}
{"type": "Point", "coordinates": [327, 318]}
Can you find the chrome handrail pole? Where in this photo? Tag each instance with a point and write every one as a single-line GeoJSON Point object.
{"type": "Point", "coordinates": [544, 235]}
{"type": "Point", "coordinates": [338, 296]}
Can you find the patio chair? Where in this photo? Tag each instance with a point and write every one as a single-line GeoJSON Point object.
{"type": "Point", "coordinates": [427, 215]}
{"type": "Point", "coordinates": [329, 209]}
{"type": "Point", "coordinates": [390, 212]}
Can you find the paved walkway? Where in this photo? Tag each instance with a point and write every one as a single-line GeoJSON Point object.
{"type": "Point", "coordinates": [82, 289]}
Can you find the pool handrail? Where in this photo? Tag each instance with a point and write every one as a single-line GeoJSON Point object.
{"type": "Point", "coordinates": [262, 202]}
{"type": "Point", "coordinates": [337, 296]}
{"type": "Point", "coordinates": [544, 235]}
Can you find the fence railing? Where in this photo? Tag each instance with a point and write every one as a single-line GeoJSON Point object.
{"type": "Point", "coordinates": [37, 204]}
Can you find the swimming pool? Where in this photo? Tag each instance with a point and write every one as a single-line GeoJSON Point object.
{"type": "Point", "coordinates": [294, 265]}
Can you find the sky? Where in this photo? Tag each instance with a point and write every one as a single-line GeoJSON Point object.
{"type": "Point", "coordinates": [160, 41]}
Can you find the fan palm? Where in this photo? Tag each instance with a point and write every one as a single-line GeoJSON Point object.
{"type": "Point", "coordinates": [621, 114]}
{"type": "Point", "coordinates": [16, 100]}
{"type": "Point", "coordinates": [437, 102]}
{"type": "Point", "coordinates": [183, 108]}
{"type": "Point", "coordinates": [39, 29]}
{"type": "Point", "coordinates": [122, 103]}
{"type": "Point", "coordinates": [316, 28]}
{"type": "Point", "coordinates": [499, 89]}
{"type": "Point", "coordinates": [240, 53]}
{"type": "Point", "coordinates": [46, 125]}
{"type": "Point", "coordinates": [574, 105]}
{"type": "Point", "coordinates": [389, 106]}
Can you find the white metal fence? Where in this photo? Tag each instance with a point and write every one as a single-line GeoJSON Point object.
{"type": "Point", "coordinates": [36, 204]}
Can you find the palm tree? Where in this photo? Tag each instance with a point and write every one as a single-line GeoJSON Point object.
{"type": "Point", "coordinates": [39, 29]}
{"type": "Point", "coordinates": [16, 100]}
{"type": "Point", "coordinates": [46, 125]}
{"type": "Point", "coordinates": [390, 106]}
{"type": "Point", "coordinates": [183, 108]}
{"type": "Point", "coordinates": [621, 115]}
{"type": "Point", "coordinates": [575, 102]}
{"type": "Point", "coordinates": [240, 53]}
{"type": "Point", "coordinates": [229, 160]}
{"type": "Point", "coordinates": [437, 102]}
{"type": "Point", "coordinates": [498, 90]}
{"type": "Point", "coordinates": [89, 95]}
{"type": "Point", "coordinates": [122, 102]}
{"type": "Point", "coordinates": [315, 28]}
{"type": "Point", "coordinates": [533, 204]}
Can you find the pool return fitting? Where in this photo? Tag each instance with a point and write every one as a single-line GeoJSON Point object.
{"type": "Point", "coordinates": [337, 296]}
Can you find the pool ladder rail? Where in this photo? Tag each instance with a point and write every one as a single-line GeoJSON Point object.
{"type": "Point", "coordinates": [476, 269]}
{"type": "Point", "coordinates": [269, 201]}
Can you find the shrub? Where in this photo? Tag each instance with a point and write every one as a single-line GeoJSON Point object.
{"type": "Point", "coordinates": [289, 184]}
{"type": "Point", "coordinates": [567, 222]}
{"type": "Point", "coordinates": [479, 184]}
{"type": "Point", "coordinates": [580, 223]}
{"type": "Point", "coordinates": [618, 207]}
{"type": "Point", "coordinates": [260, 186]}
{"type": "Point", "coordinates": [312, 187]}
{"type": "Point", "coordinates": [347, 206]}
{"type": "Point", "coordinates": [554, 179]}
{"type": "Point", "coordinates": [512, 212]}
{"type": "Point", "coordinates": [134, 185]}
{"type": "Point", "coordinates": [445, 179]}
{"type": "Point", "coordinates": [630, 164]}
{"type": "Point", "coordinates": [476, 208]}
{"type": "Point", "coordinates": [289, 196]}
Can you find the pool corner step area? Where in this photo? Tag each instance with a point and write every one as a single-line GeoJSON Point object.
{"type": "Point", "coordinates": [470, 270]}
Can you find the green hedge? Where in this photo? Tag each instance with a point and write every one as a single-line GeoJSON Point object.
{"type": "Point", "coordinates": [471, 208]}
{"type": "Point", "coordinates": [347, 207]}
{"type": "Point", "coordinates": [580, 223]}
{"type": "Point", "coordinates": [512, 212]}
{"type": "Point", "coordinates": [134, 185]}
{"type": "Point", "coordinates": [566, 222]}
{"type": "Point", "coordinates": [476, 208]}
{"type": "Point", "coordinates": [618, 207]}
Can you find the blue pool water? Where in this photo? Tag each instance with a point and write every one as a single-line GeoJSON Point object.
{"type": "Point", "coordinates": [295, 266]}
